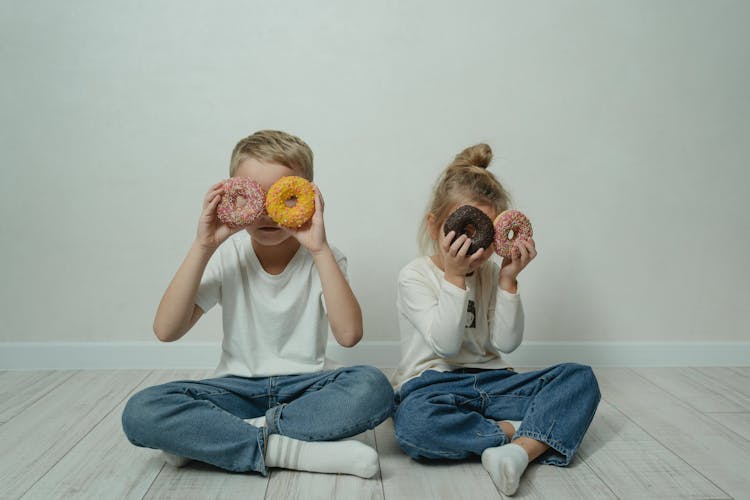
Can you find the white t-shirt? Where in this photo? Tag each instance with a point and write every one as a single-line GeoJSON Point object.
{"type": "Point", "coordinates": [444, 327]}
{"type": "Point", "coordinates": [273, 324]}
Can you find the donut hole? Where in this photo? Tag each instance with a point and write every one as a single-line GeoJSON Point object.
{"type": "Point", "coordinates": [511, 234]}
{"type": "Point", "coordinates": [240, 202]}
{"type": "Point", "coordinates": [470, 231]}
{"type": "Point", "coordinates": [291, 202]}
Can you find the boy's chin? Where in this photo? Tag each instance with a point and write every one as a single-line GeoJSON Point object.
{"type": "Point", "coordinates": [268, 237]}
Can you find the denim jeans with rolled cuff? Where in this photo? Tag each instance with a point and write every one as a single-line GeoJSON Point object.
{"type": "Point", "coordinates": [454, 415]}
{"type": "Point", "coordinates": [203, 419]}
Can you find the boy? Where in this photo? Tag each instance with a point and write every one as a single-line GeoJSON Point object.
{"type": "Point", "coordinates": [272, 404]}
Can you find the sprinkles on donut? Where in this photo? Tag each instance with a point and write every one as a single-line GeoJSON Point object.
{"type": "Point", "coordinates": [509, 226]}
{"type": "Point", "coordinates": [242, 202]}
{"type": "Point", "coordinates": [290, 201]}
{"type": "Point", "coordinates": [472, 222]}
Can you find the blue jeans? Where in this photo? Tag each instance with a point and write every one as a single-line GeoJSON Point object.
{"type": "Point", "coordinates": [454, 415]}
{"type": "Point", "coordinates": [203, 420]}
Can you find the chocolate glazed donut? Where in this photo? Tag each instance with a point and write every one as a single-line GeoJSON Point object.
{"type": "Point", "coordinates": [473, 223]}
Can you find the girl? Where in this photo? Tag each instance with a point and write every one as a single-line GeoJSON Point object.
{"type": "Point", "coordinates": [455, 395]}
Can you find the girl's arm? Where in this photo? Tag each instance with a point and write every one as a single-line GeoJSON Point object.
{"type": "Point", "coordinates": [506, 314]}
{"type": "Point", "coordinates": [506, 322]}
{"type": "Point", "coordinates": [439, 317]}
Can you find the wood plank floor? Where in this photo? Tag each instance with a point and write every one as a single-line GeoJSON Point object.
{"type": "Point", "coordinates": [658, 433]}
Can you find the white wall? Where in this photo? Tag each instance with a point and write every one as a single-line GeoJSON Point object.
{"type": "Point", "coordinates": [621, 128]}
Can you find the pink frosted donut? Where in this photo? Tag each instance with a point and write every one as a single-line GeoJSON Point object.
{"type": "Point", "coordinates": [505, 223]}
{"type": "Point", "coordinates": [242, 203]}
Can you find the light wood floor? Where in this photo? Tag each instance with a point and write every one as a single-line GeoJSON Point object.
{"type": "Point", "coordinates": [658, 433]}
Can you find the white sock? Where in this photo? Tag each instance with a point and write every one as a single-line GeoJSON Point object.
{"type": "Point", "coordinates": [335, 457]}
{"type": "Point", "coordinates": [257, 421]}
{"type": "Point", "coordinates": [174, 460]}
{"type": "Point", "coordinates": [505, 465]}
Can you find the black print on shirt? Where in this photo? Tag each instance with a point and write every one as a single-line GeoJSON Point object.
{"type": "Point", "coordinates": [471, 315]}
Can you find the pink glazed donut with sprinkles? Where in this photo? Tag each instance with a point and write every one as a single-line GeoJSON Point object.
{"type": "Point", "coordinates": [509, 226]}
{"type": "Point", "coordinates": [242, 203]}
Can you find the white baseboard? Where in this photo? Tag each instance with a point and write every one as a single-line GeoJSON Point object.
{"type": "Point", "coordinates": [383, 354]}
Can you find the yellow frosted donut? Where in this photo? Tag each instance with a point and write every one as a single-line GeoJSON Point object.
{"type": "Point", "coordinates": [286, 189]}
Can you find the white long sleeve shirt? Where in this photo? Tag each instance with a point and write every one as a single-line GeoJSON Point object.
{"type": "Point", "coordinates": [444, 327]}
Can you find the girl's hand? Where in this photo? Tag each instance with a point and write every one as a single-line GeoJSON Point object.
{"type": "Point", "coordinates": [312, 234]}
{"type": "Point", "coordinates": [211, 231]}
{"type": "Point", "coordinates": [524, 251]}
{"type": "Point", "coordinates": [456, 263]}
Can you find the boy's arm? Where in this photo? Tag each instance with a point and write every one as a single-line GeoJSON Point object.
{"type": "Point", "coordinates": [344, 313]}
{"type": "Point", "coordinates": [177, 312]}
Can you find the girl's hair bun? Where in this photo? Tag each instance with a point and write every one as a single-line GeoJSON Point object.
{"type": "Point", "coordinates": [466, 180]}
{"type": "Point", "coordinates": [479, 155]}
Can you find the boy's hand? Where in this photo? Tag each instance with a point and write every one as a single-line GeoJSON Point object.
{"type": "Point", "coordinates": [456, 262]}
{"type": "Point", "coordinates": [312, 234]}
{"type": "Point", "coordinates": [524, 251]}
{"type": "Point", "coordinates": [211, 231]}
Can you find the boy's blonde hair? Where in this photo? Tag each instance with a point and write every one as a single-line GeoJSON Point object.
{"type": "Point", "coordinates": [275, 146]}
{"type": "Point", "coordinates": [465, 180]}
